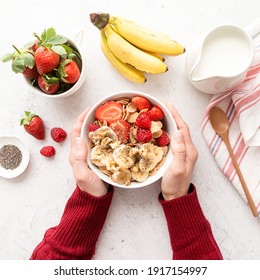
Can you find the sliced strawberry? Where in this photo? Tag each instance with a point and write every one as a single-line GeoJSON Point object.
{"type": "Point", "coordinates": [110, 112]}
{"type": "Point", "coordinates": [141, 103]}
{"type": "Point", "coordinates": [156, 113]}
{"type": "Point", "coordinates": [122, 130]}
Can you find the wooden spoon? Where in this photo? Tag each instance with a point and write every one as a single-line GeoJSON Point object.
{"type": "Point", "coordinates": [220, 124]}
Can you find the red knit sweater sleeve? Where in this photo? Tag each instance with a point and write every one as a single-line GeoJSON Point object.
{"type": "Point", "coordinates": [76, 235]}
{"type": "Point", "coordinates": [190, 232]}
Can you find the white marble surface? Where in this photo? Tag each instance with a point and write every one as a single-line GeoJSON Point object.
{"type": "Point", "coordinates": [135, 227]}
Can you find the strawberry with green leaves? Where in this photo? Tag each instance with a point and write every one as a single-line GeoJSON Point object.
{"type": "Point", "coordinates": [49, 51]}
{"type": "Point", "coordinates": [33, 125]}
{"type": "Point", "coordinates": [48, 83]}
{"type": "Point", "coordinates": [22, 62]}
{"type": "Point", "coordinates": [68, 71]}
{"type": "Point", "coordinates": [46, 60]}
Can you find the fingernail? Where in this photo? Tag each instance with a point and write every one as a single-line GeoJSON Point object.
{"type": "Point", "coordinates": [177, 136]}
{"type": "Point", "coordinates": [78, 143]}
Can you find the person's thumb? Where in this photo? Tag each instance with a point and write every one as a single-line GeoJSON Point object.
{"type": "Point", "coordinates": [178, 148]}
{"type": "Point", "coordinates": [81, 151]}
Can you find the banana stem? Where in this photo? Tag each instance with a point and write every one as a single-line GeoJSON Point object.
{"type": "Point", "coordinates": [100, 20]}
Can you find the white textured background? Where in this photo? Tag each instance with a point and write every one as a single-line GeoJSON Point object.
{"type": "Point", "coordinates": [135, 226]}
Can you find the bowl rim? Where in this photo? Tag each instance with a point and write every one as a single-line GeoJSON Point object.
{"type": "Point", "coordinates": [151, 179]}
{"type": "Point", "coordinates": [15, 140]}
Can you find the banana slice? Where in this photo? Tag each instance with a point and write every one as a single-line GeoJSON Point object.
{"type": "Point", "coordinates": [147, 162]}
{"type": "Point", "coordinates": [122, 177]}
{"type": "Point", "coordinates": [96, 155]}
{"type": "Point", "coordinates": [158, 152]}
{"type": "Point", "coordinates": [106, 157]}
{"type": "Point", "coordinates": [125, 156]}
{"type": "Point", "coordinates": [150, 156]}
{"type": "Point", "coordinates": [104, 136]}
{"type": "Point", "coordinates": [140, 176]}
{"type": "Point", "coordinates": [112, 166]}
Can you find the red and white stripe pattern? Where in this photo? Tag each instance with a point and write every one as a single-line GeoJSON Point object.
{"type": "Point", "coordinates": [242, 106]}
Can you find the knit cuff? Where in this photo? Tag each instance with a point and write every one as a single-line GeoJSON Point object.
{"type": "Point", "coordinates": [190, 233]}
{"type": "Point", "coordinates": [187, 206]}
{"type": "Point", "coordinates": [81, 223]}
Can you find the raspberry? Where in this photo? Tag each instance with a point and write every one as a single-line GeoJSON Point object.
{"type": "Point", "coordinates": [155, 114]}
{"type": "Point", "coordinates": [93, 127]}
{"type": "Point", "coordinates": [163, 140]}
{"type": "Point", "coordinates": [143, 121]}
{"type": "Point", "coordinates": [143, 135]}
{"type": "Point", "coordinates": [58, 134]}
{"type": "Point", "coordinates": [48, 151]}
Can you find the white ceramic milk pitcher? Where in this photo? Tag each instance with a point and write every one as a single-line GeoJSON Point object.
{"type": "Point", "coordinates": [222, 61]}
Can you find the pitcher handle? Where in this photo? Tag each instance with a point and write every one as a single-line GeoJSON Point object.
{"type": "Point", "coordinates": [253, 29]}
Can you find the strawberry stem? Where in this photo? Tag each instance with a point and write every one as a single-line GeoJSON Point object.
{"type": "Point", "coordinates": [16, 49]}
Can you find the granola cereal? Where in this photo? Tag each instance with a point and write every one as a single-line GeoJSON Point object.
{"type": "Point", "coordinates": [123, 150]}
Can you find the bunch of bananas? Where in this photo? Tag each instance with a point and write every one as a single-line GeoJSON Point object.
{"type": "Point", "coordinates": [133, 49]}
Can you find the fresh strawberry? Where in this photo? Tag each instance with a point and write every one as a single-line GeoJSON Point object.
{"type": "Point", "coordinates": [48, 151]}
{"type": "Point", "coordinates": [122, 130]}
{"type": "Point", "coordinates": [111, 111]}
{"type": "Point", "coordinates": [58, 134]}
{"type": "Point", "coordinates": [22, 62]}
{"type": "Point", "coordinates": [69, 71]}
{"type": "Point", "coordinates": [46, 60]}
{"type": "Point", "coordinates": [48, 84]}
{"type": "Point", "coordinates": [35, 45]}
{"type": "Point", "coordinates": [93, 127]}
{"type": "Point", "coordinates": [34, 125]}
{"type": "Point", "coordinates": [30, 73]}
{"type": "Point", "coordinates": [164, 139]}
{"type": "Point", "coordinates": [143, 135]}
{"type": "Point", "coordinates": [143, 121]}
{"type": "Point", "coordinates": [156, 113]}
{"type": "Point", "coordinates": [141, 103]}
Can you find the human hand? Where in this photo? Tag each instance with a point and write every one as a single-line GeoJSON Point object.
{"type": "Point", "coordinates": [176, 180]}
{"type": "Point", "coordinates": [85, 178]}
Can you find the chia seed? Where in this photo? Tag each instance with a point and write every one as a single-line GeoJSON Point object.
{"type": "Point", "coordinates": [10, 157]}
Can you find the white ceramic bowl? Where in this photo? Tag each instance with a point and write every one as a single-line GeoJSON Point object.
{"type": "Point", "coordinates": [77, 45]}
{"type": "Point", "coordinates": [13, 140]}
{"type": "Point", "coordinates": [168, 124]}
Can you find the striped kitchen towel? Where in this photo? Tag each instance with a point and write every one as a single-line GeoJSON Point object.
{"type": "Point", "coordinates": [242, 106]}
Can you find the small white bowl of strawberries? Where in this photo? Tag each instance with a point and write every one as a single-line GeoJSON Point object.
{"type": "Point", "coordinates": [128, 137]}
{"type": "Point", "coordinates": [52, 65]}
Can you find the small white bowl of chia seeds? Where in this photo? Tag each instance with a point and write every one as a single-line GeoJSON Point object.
{"type": "Point", "coordinates": [14, 156]}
